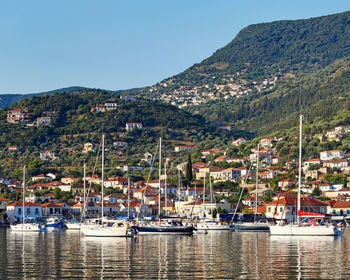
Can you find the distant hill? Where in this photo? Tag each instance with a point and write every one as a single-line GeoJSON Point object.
{"type": "Point", "coordinates": [9, 99]}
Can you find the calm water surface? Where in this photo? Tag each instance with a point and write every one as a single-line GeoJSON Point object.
{"type": "Point", "coordinates": [217, 255]}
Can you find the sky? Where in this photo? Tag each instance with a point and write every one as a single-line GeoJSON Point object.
{"type": "Point", "coordinates": [114, 44]}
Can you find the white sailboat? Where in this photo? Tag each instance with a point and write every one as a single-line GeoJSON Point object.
{"type": "Point", "coordinates": [118, 229]}
{"type": "Point", "coordinates": [76, 224]}
{"type": "Point", "coordinates": [208, 223]}
{"type": "Point", "coordinates": [256, 225]}
{"type": "Point", "coordinates": [26, 227]}
{"type": "Point", "coordinates": [300, 228]}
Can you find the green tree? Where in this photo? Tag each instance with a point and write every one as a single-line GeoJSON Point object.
{"type": "Point", "coordinates": [316, 191]}
{"type": "Point", "coordinates": [189, 175]}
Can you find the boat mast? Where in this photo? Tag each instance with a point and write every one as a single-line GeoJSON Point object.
{"type": "Point", "coordinates": [24, 180]}
{"type": "Point", "coordinates": [128, 198]}
{"type": "Point", "coordinates": [300, 154]}
{"type": "Point", "coordinates": [256, 185]}
{"type": "Point", "coordinates": [211, 192]}
{"type": "Point", "coordinates": [205, 177]}
{"type": "Point", "coordinates": [165, 193]}
{"type": "Point", "coordinates": [160, 172]}
{"type": "Point", "coordinates": [102, 179]}
{"type": "Point", "coordinates": [84, 209]}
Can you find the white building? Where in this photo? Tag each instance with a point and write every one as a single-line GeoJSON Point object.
{"type": "Point", "coordinates": [131, 126]}
{"type": "Point", "coordinates": [342, 128]}
{"type": "Point", "coordinates": [333, 154]}
{"type": "Point", "coordinates": [111, 106]}
{"type": "Point", "coordinates": [116, 182]}
{"type": "Point", "coordinates": [88, 147]}
{"type": "Point", "coordinates": [15, 211]}
{"type": "Point", "coordinates": [308, 163]}
{"type": "Point", "coordinates": [239, 142]}
{"type": "Point", "coordinates": [120, 144]}
{"type": "Point", "coordinates": [43, 121]}
{"type": "Point", "coordinates": [48, 156]}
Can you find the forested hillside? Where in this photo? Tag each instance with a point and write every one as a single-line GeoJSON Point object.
{"type": "Point", "coordinates": [75, 122]}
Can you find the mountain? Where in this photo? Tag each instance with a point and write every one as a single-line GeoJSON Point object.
{"type": "Point", "coordinates": [257, 61]}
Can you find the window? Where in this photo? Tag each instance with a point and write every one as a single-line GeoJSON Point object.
{"type": "Point", "coordinates": [281, 209]}
{"type": "Point", "coordinates": [28, 211]}
{"type": "Point", "coordinates": [334, 212]}
{"type": "Point", "coordinates": [19, 211]}
{"type": "Point", "coordinates": [36, 212]}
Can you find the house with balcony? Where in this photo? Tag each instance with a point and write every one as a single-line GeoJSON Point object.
{"type": "Point", "coordinates": [16, 116]}
{"type": "Point", "coordinates": [132, 125]}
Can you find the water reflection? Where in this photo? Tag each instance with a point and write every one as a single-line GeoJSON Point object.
{"type": "Point", "coordinates": [217, 255]}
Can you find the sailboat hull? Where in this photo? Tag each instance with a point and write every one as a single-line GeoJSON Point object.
{"type": "Point", "coordinates": [165, 230]}
{"type": "Point", "coordinates": [73, 226]}
{"type": "Point", "coordinates": [108, 231]}
{"type": "Point", "coordinates": [300, 230]}
{"type": "Point", "coordinates": [251, 227]}
{"type": "Point", "coordinates": [26, 228]}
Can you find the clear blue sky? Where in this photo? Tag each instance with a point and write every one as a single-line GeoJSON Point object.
{"type": "Point", "coordinates": [115, 44]}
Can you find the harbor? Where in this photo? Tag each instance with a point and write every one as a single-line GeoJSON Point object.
{"type": "Point", "coordinates": [227, 255]}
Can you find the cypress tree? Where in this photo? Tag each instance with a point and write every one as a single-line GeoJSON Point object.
{"type": "Point", "coordinates": [189, 175]}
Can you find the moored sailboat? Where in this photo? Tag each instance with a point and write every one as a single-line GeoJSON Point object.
{"type": "Point", "coordinates": [103, 230]}
{"type": "Point", "coordinates": [310, 227]}
{"type": "Point", "coordinates": [209, 223]}
{"type": "Point", "coordinates": [173, 226]}
{"type": "Point", "coordinates": [26, 226]}
{"type": "Point", "coordinates": [256, 225]}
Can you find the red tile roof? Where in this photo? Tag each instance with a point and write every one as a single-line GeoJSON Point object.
{"type": "Point", "coordinates": [26, 204]}
{"type": "Point", "coordinates": [340, 204]}
{"type": "Point", "coordinates": [292, 200]}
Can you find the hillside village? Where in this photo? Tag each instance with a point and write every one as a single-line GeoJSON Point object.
{"type": "Point", "coordinates": [208, 89]}
{"type": "Point", "coordinates": [324, 183]}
